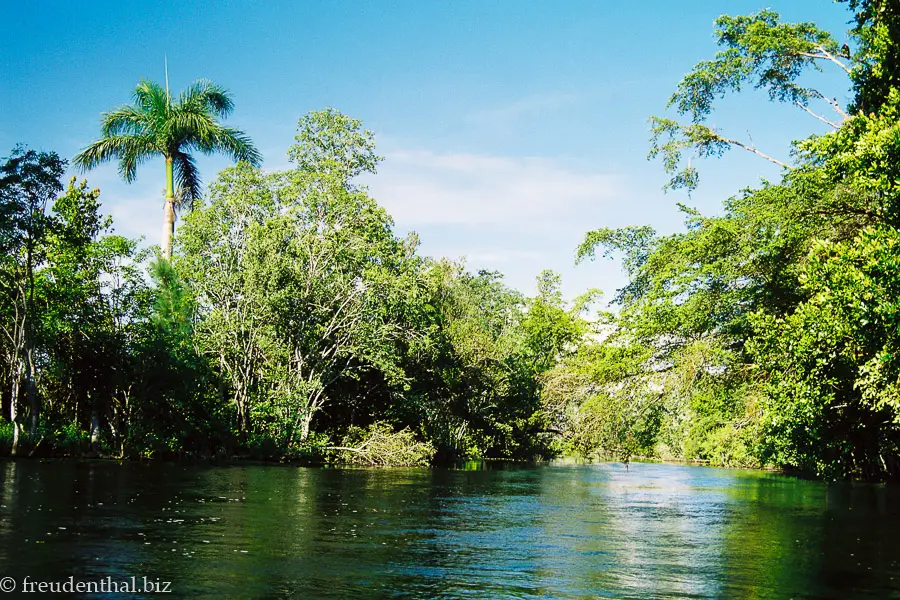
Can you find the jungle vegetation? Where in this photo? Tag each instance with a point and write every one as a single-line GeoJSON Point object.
{"type": "Point", "coordinates": [287, 320]}
{"type": "Point", "coordinates": [290, 321]}
{"type": "Point", "coordinates": [766, 335]}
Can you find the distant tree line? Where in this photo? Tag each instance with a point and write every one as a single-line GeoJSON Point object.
{"type": "Point", "coordinates": [291, 322]}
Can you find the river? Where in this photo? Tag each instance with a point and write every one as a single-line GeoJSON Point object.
{"type": "Point", "coordinates": [555, 531]}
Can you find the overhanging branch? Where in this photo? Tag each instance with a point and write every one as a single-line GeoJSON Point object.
{"type": "Point", "coordinates": [755, 151]}
{"type": "Point", "coordinates": [816, 115]}
{"type": "Point", "coordinates": [825, 55]}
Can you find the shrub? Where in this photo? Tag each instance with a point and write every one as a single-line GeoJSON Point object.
{"type": "Point", "coordinates": [381, 446]}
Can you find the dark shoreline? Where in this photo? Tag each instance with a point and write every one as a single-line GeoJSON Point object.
{"type": "Point", "coordinates": [461, 465]}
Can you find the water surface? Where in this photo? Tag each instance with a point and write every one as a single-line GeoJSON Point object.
{"type": "Point", "coordinates": [557, 531]}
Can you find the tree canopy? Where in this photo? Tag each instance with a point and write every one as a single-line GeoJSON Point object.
{"type": "Point", "coordinates": [764, 336]}
{"type": "Point", "coordinates": [156, 124]}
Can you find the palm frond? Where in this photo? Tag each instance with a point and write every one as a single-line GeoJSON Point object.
{"type": "Point", "coordinates": [187, 179]}
{"type": "Point", "coordinates": [131, 150]}
{"type": "Point", "coordinates": [155, 124]}
{"type": "Point", "coordinates": [124, 120]}
{"type": "Point", "coordinates": [152, 98]}
{"type": "Point", "coordinates": [136, 151]}
{"type": "Point", "coordinates": [201, 132]}
{"type": "Point", "coordinates": [189, 129]}
{"type": "Point", "coordinates": [237, 144]}
{"type": "Point", "coordinates": [208, 97]}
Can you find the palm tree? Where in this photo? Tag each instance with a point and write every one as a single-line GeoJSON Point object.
{"type": "Point", "coordinates": [155, 124]}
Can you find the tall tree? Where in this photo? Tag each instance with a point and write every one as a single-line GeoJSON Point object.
{"type": "Point", "coordinates": [155, 124]}
{"type": "Point", "coordinates": [329, 143]}
{"type": "Point", "coordinates": [877, 56]}
{"type": "Point", "coordinates": [29, 181]}
{"type": "Point", "coordinates": [766, 335]}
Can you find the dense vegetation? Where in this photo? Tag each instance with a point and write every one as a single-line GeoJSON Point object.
{"type": "Point", "coordinates": [767, 335]}
{"type": "Point", "coordinates": [290, 321]}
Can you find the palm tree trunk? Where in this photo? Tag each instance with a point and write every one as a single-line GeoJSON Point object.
{"type": "Point", "coordinates": [168, 232]}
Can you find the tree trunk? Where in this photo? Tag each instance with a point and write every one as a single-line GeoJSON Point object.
{"type": "Point", "coordinates": [168, 232]}
{"type": "Point", "coordinates": [305, 423]}
{"type": "Point", "coordinates": [95, 430]}
{"type": "Point", "coordinates": [14, 413]}
{"type": "Point", "coordinates": [34, 406]}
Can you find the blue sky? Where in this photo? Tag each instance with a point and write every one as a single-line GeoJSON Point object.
{"type": "Point", "coordinates": [509, 128]}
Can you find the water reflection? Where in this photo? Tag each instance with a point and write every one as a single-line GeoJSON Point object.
{"type": "Point", "coordinates": [562, 531]}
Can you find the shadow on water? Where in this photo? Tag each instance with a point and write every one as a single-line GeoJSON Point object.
{"type": "Point", "coordinates": [489, 530]}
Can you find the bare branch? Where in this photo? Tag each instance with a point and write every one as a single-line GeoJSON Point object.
{"type": "Point", "coordinates": [816, 115]}
{"type": "Point", "coordinates": [825, 55]}
{"type": "Point", "coordinates": [831, 101]}
{"type": "Point", "coordinates": [752, 149]}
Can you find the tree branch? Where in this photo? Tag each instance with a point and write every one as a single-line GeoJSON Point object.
{"type": "Point", "coordinates": [816, 115]}
{"type": "Point", "coordinates": [825, 55]}
{"type": "Point", "coordinates": [831, 101]}
{"type": "Point", "coordinates": [752, 149]}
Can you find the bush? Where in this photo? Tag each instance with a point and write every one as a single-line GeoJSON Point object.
{"type": "Point", "coordinates": [726, 447]}
{"type": "Point", "coordinates": [6, 438]}
{"type": "Point", "coordinates": [381, 446]}
{"type": "Point", "coordinates": [71, 440]}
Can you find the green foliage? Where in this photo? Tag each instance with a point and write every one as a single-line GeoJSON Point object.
{"type": "Point", "coordinates": [877, 69]}
{"type": "Point", "coordinates": [291, 314]}
{"type": "Point", "coordinates": [173, 308]}
{"type": "Point", "coordinates": [7, 436]}
{"type": "Point", "coordinates": [301, 273]}
{"type": "Point", "coordinates": [156, 124]}
{"type": "Point", "coordinates": [331, 144]}
{"type": "Point", "coordinates": [761, 50]}
{"type": "Point", "coordinates": [380, 446]}
{"type": "Point", "coordinates": [474, 378]}
{"type": "Point", "coordinates": [833, 404]}
{"type": "Point", "coordinates": [316, 318]}
{"type": "Point", "coordinates": [29, 181]}
{"type": "Point", "coordinates": [766, 335]}
{"type": "Point", "coordinates": [758, 50]}
{"type": "Point", "coordinates": [72, 440]}
{"type": "Point", "coordinates": [670, 139]}
{"type": "Point", "coordinates": [103, 363]}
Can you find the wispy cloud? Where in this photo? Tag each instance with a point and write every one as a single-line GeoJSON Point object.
{"type": "Point", "coordinates": [135, 217]}
{"type": "Point", "coordinates": [420, 187]}
{"type": "Point", "coordinates": [503, 256]}
{"type": "Point", "coordinates": [513, 214]}
{"type": "Point", "coordinates": [506, 116]}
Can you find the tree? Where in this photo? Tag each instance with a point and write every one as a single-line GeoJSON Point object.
{"type": "Point", "coordinates": [474, 370]}
{"type": "Point", "coordinates": [294, 275]}
{"type": "Point", "coordinates": [29, 182]}
{"type": "Point", "coordinates": [758, 49]}
{"type": "Point", "coordinates": [65, 312]}
{"type": "Point", "coordinates": [155, 124]}
{"type": "Point", "coordinates": [877, 57]}
{"type": "Point", "coordinates": [88, 279]}
{"type": "Point", "coordinates": [766, 335]}
{"type": "Point", "coordinates": [213, 261]}
{"type": "Point", "coordinates": [332, 144]}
